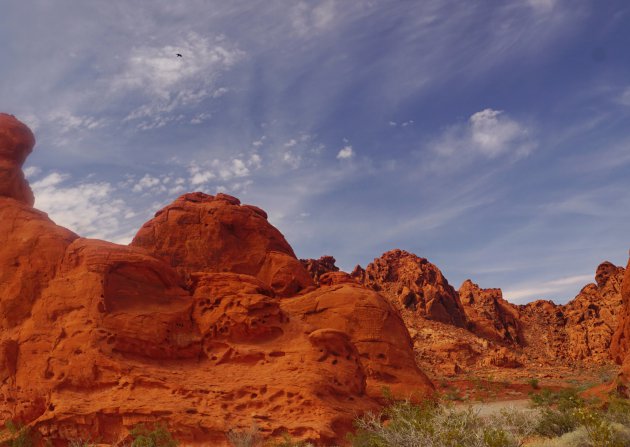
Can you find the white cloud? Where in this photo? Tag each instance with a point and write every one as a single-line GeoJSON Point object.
{"type": "Point", "coordinates": [52, 179]}
{"type": "Point", "coordinates": [255, 161]}
{"type": "Point", "coordinates": [624, 98]}
{"type": "Point", "coordinates": [223, 170]}
{"type": "Point", "coordinates": [493, 133]}
{"type": "Point", "coordinates": [199, 177]}
{"type": "Point", "coordinates": [489, 133]}
{"type": "Point", "coordinates": [178, 189]}
{"type": "Point", "coordinates": [259, 142]}
{"type": "Point", "coordinates": [146, 183]}
{"type": "Point", "coordinates": [542, 5]}
{"type": "Point", "coordinates": [32, 171]}
{"type": "Point", "coordinates": [200, 118]}
{"type": "Point", "coordinates": [157, 70]}
{"type": "Point", "coordinates": [219, 92]}
{"type": "Point", "coordinates": [546, 289]}
{"type": "Point", "coordinates": [345, 153]}
{"type": "Point", "coordinates": [292, 159]}
{"type": "Point", "coordinates": [307, 18]}
{"type": "Point", "coordinates": [91, 209]}
{"type": "Point", "coordinates": [65, 121]}
{"type": "Point", "coordinates": [292, 142]}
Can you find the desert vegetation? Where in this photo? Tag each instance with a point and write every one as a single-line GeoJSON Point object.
{"type": "Point", "coordinates": [554, 419]}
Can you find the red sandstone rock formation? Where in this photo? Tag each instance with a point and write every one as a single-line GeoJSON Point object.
{"type": "Point", "coordinates": [489, 315]}
{"type": "Point", "coordinates": [318, 267]}
{"type": "Point", "coordinates": [413, 283]}
{"type": "Point", "coordinates": [591, 317]}
{"type": "Point", "coordinates": [620, 346]}
{"type": "Point", "coordinates": [16, 143]}
{"type": "Point", "coordinates": [582, 329]}
{"type": "Point", "coordinates": [184, 326]}
{"type": "Point", "coordinates": [203, 233]}
{"type": "Point", "coordinates": [496, 333]}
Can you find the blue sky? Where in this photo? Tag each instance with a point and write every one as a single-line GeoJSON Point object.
{"type": "Point", "coordinates": [490, 137]}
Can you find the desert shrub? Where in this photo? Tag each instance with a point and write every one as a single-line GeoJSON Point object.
{"type": "Point", "coordinates": [81, 443]}
{"type": "Point", "coordinates": [19, 435]}
{"type": "Point", "coordinates": [245, 438]}
{"type": "Point", "coordinates": [556, 411]}
{"type": "Point", "coordinates": [618, 410]}
{"type": "Point", "coordinates": [575, 438]}
{"type": "Point", "coordinates": [158, 436]}
{"type": "Point", "coordinates": [600, 431]}
{"type": "Point", "coordinates": [534, 383]}
{"type": "Point", "coordinates": [554, 422]}
{"type": "Point", "coordinates": [287, 441]}
{"type": "Point", "coordinates": [563, 399]}
{"type": "Point", "coordinates": [403, 424]}
{"type": "Point", "coordinates": [570, 420]}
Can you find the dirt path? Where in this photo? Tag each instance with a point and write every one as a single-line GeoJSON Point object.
{"type": "Point", "coordinates": [489, 408]}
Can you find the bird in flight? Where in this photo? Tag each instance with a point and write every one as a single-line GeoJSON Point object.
{"type": "Point", "coordinates": [179, 55]}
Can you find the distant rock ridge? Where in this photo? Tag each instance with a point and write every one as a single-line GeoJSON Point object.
{"type": "Point", "coordinates": [316, 268]}
{"type": "Point", "coordinates": [474, 327]}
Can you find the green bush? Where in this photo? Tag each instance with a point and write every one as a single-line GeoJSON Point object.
{"type": "Point", "coordinates": [158, 436]}
{"type": "Point", "coordinates": [618, 410]}
{"type": "Point", "coordinates": [554, 422]}
{"type": "Point", "coordinates": [19, 435]}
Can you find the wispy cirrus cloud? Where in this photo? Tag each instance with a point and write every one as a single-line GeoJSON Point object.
{"type": "Point", "coordinates": [308, 17]}
{"type": "Point", "coordinates": [169, 83]}
{"type": "Point", "coordinates": [524, 293]}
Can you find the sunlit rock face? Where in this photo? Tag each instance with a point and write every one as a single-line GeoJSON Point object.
{"type": "Point", "coordinates": [207, 322]}
{"type": "Point", "coordinates": [203, 233]}
{"type": "Point", "coordinates": [16, 143]}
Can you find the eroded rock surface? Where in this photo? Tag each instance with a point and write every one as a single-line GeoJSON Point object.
{"type": "Point", "coordinates": [187, 326]}
{"type": "Point", "coordinates": [16, 143]}
{"type": "Point", "coordinates": [203, 233]}
{"type": "Point", "coordinates": [318, 267]}
{"type": "Point", "coordinates": [414, 284]}
{"type": "Point", "coordinates": [620, 347]}
{"type": "Point", "coordinates": [489, 315]}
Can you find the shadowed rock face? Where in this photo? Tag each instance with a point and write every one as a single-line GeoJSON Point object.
{"type": "Point", "coordinates": [415, 284]}
{"type": "Point", "coordinates": [620, 348]}
{"type": "Point", "coordinates": [187, 325]}
{"type": "Point", "coordinates": [319, 267]}
{"type": "Point", "coordinates": [489, 315]}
